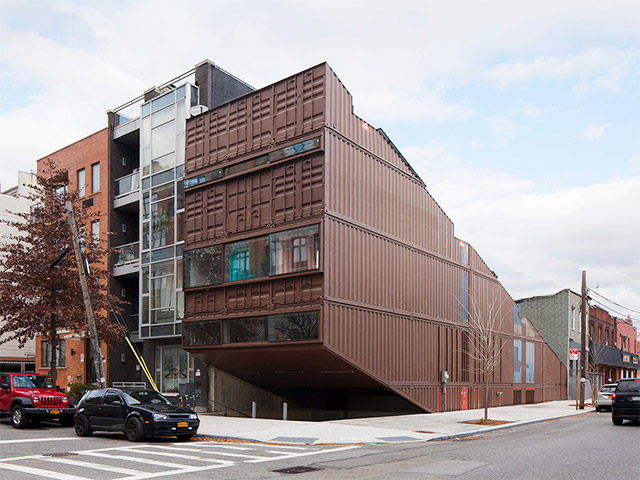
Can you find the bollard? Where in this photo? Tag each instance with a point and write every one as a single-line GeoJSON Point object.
{"type": "Point", "coordinates": [285, 407]}
{"type": "Point", "coordinates": [253, 409]}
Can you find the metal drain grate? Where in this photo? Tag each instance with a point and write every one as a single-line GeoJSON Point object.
{"type": "Point", "coordinates": [293, 470]}
{"type": "Point", "coordinates": [60, 454]}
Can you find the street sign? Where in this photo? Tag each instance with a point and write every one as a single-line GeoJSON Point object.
{"type": "Point", "coordinates": [573, 354]}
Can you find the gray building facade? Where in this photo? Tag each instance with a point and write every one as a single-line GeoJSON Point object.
{"type": "Point", "coordinates": [557, 318]}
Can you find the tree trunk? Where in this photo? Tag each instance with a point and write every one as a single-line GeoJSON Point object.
{"type": "Point", "coordinates": [486, 396]}
{"type": "Point", "coordinates": [53, 343]}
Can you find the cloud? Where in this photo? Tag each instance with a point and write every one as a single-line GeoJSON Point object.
{"type": "Point", "coordinates": [529, 110]}
{"type": "Point", "coordinates": [539, 239]}
{"type": "Point", "coordinates": [503, 129]}
{"type": "Point", "coordinates": [591, 133]}
{"type": "Point", "coordinates": [594, 68]}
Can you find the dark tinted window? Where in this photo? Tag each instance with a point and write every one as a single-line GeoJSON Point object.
{"type": "Point", "coordinates": [4, 382]}
{"type": "Point", "coordinates": [94, 397]}
{"type": "Point", "coordinates": [631, 386]}
{"type": "Point", "coordinates": [112, 397]}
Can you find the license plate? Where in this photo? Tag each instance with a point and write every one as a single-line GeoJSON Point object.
{"type": "Point", "coordinates": [54, 412]}
{"type": "Point", "coordinates": [183, 424]}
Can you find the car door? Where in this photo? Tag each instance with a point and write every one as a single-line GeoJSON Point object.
{"type": "Point", "coordinates": [5, 393]}
{"type": "Point", "coordinates": [112, 412]}
{"type": "Point", "coordinates": [91, 406]}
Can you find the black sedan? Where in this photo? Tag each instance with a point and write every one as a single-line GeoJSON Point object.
{"type": "Point", "coordinates": [136, 412]}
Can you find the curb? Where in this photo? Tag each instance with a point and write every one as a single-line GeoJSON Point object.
{"type": "Point", "coordinates": [505, 426]}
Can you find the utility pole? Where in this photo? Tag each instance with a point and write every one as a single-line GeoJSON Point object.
{"type": "Point", "coordinates": [82, 273]}
{"type": "Point", "coordinates": [583, 339]}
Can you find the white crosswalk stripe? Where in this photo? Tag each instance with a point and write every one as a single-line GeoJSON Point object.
{"type": "Point", "coordinates": [143, 461]}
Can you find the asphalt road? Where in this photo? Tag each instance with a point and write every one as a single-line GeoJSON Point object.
{"type": "Point", "coordinates": [583, 447]}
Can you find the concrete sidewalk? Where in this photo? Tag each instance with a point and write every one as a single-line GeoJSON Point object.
{"type": "Point", "coordinates": [403, 428]}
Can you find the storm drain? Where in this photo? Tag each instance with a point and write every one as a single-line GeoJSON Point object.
{"type": "Point", "coordinates": [60, 454]}
{"type": "Point", "coordinates": [293, 470]}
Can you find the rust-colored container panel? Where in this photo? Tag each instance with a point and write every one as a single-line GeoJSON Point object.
{"type": "Point", "coordinates": [285, 110]}
{"type": "Point", "coordinates": [398, 276]}
{"type": "Point", "coordinates": [266, 198]}
{"type": "Point", "coordinates": [373, 191]}
{"type": "Point", "coordinates": [253, 298]}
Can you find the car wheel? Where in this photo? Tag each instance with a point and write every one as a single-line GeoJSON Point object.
{"type": "Point", "coordinates": [616, 420]}
{"type": "Point", "coordinates": [185, 436]}
{"type": "Point", "coordinates": [18, 418]}
{"type": "Point", "coordinates": [66, 421]}
{"type": "Point", "coordinates": [598, 408]}
{"type": "Point", "coordinates": [135, 431]}
{"type": "Point", "coordinates": [82, 426]}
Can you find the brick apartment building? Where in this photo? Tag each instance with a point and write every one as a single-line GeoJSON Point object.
{"type": "Point", "coordinates": [613, 346]}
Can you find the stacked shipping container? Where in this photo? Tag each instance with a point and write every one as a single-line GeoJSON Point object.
{"type": "Point", "coordinates": [392, 285]}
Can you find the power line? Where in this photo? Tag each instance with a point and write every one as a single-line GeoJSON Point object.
{"type": "Point", "coordinates": [611, 301]}
{"type": "Point", "coordinates": [612, 310]}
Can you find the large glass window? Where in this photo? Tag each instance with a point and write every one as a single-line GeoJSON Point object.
{"type": "Point", "coordinates": [246, 259]}
{"type": "Point", "coordinates": [517, 361]}
{"type": "Point", "coordinates": [243, 330]}
{"type": "Point", "coordinates": [95, 177]}
{"type": "Point", "coordinates": [45, 350]}
{"type": "Point", "coordinates": [298, 326]}
{"type": "Point", "coordinates": [162, 223]}
{"type": "Point", "coordinates": [531, 365]}
{"type": "Point", "coordinates": [95, 230]}
{"type": "Point", "coordinates": [203, 266]}
{"type": "Point", "coordinates": [202, 333]}
{"type": "Point", "coordinates": [163, 140]}
{"type": "Point", "coordinates": [274, 328]}
{"type": "Point", "coordinates": [294, 250]}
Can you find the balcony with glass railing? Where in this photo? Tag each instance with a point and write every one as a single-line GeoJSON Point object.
{"type": "Point", "coordinates": [127, 190]}
{"type": "Point", "coordinates": [127, 259]}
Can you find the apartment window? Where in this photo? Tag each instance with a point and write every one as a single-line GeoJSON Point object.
{"type": "Point", "coordinates": [517, 361]}
{"type": "Point", "coordinates": [45, 350]}
{"type": "Point", "coordinates": [202, 266]}
{"type": "Point", "coordinates": [530, 365]}
{"type": "Point", "coordinates": [294, 250]}
{"type": "Point", "coordinates": [95, 231]}
{"type": "Point", "coordinates": [606, 336]}
{"type": "Point", "coordinates": [600, 334]}
{"type": "Point", "coordinates": [573, 318]}
{"type": "Point", "coordinates": [95, 177]}
{"type": "Point", "coordinates": [246, 259]}
{"type": "Point", "coordinates": [81, 181]}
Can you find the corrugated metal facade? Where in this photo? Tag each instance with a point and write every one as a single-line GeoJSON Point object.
{"type": "Point", "coordinates": [392, 280]}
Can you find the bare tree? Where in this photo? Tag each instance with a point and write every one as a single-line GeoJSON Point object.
{"type": "Point", "coordinates": [484, 345]}
{"type": "Point", "coordinates": [597, 354]}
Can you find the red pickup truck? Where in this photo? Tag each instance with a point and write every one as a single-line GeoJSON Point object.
{"type": "Point", "coordinates": [30, 397]}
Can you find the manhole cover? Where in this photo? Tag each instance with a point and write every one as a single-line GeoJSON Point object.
{"type": "Point", "coordinates": [60, 454]}
{"type": "Point", "coordinates": [293, 470]}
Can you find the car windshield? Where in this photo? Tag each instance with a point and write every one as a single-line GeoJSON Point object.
{"type": "Point", "coordinates": [130, 400]}
{"type": "Point", "coordinates": [149, 397]}
{"type": "Point", "coordinates": [32, 381]}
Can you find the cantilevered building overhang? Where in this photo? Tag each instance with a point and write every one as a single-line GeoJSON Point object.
{"type": "Point", "coordinates": [316, 260]}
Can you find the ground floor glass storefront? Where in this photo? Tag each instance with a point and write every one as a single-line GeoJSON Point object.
{"type": "Point", "coordinates": [174, 366]}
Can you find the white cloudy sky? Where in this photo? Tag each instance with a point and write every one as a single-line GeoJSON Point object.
{"type": "Point", "coordinates": [523, 118]}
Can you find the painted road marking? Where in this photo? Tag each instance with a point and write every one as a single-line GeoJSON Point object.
{"type": "Point", "coordinates": [207, 452]}
{"type": "Point", "coordinates": [29, 440]}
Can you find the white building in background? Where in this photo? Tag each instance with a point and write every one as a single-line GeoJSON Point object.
{"type": "Point", "coordinates": [13, 201]}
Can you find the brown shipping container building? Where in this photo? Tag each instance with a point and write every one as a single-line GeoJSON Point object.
{"type": "Point", "coordinates": [318, 267]}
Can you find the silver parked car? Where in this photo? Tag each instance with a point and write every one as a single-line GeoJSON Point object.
{"type": "Point", "coordinates": [603, 397]}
